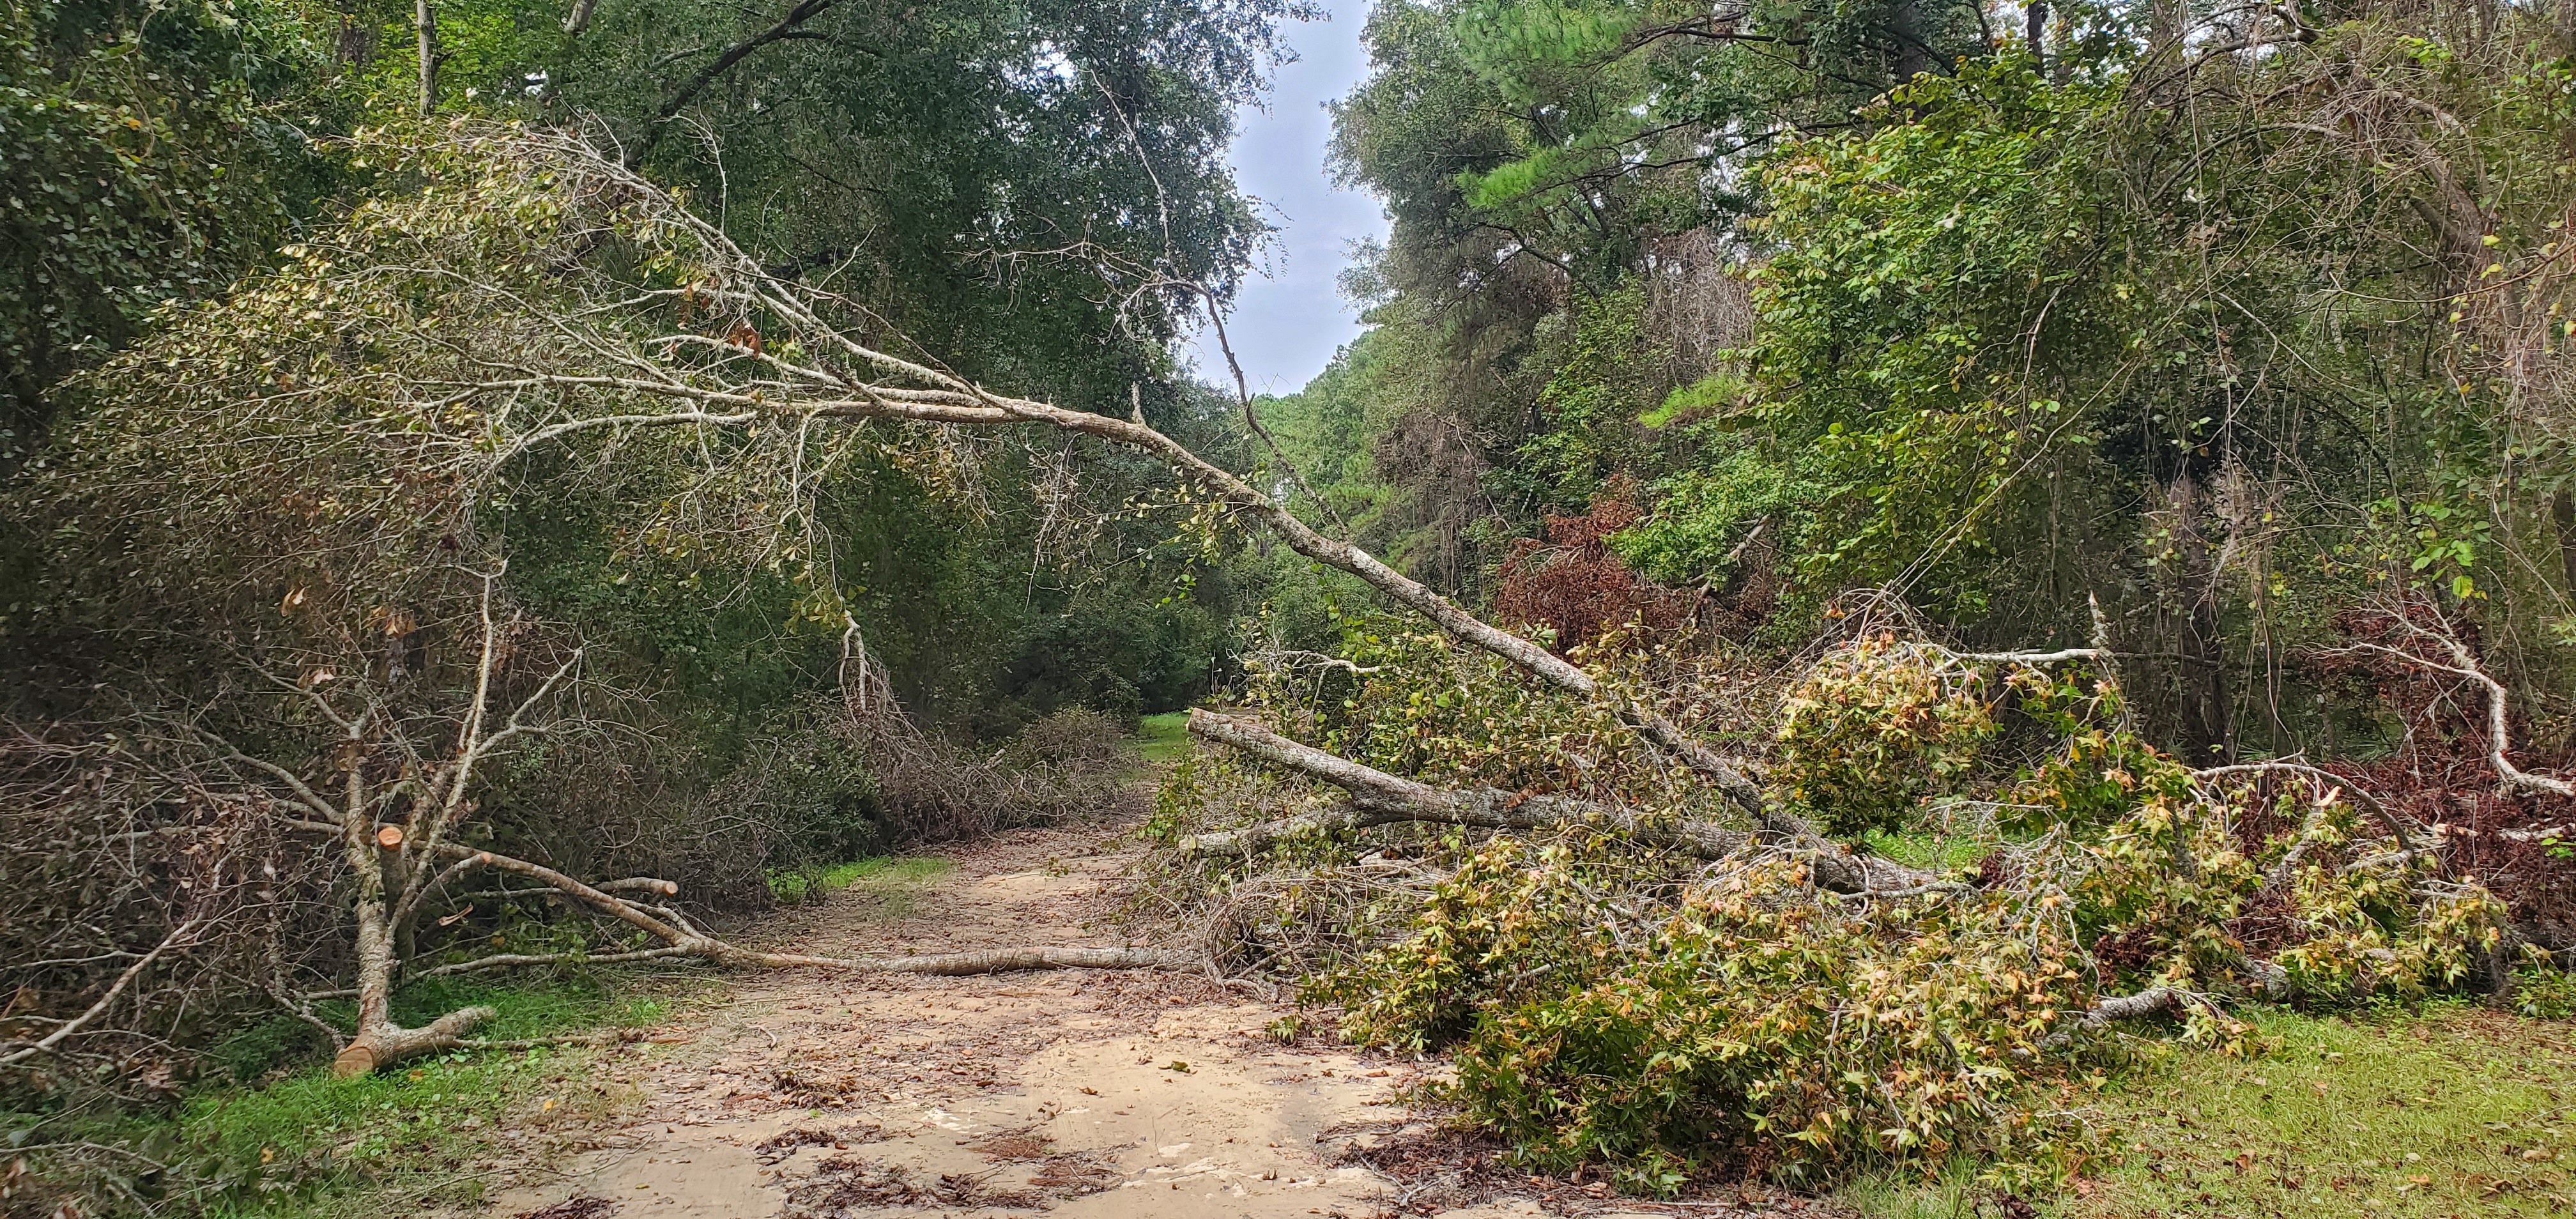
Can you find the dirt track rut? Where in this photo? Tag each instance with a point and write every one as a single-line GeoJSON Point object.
{"type": "Point", "coordinates": [1077, 1092]}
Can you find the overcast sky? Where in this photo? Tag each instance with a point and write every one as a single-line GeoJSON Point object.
{"type": "Point", "coordinates": [1286, 324]}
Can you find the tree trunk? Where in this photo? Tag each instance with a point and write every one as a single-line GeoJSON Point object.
{"type": "Point", "coordinates": [379, 1041]}
{"type": "Point", "coordinates": [424, 18]}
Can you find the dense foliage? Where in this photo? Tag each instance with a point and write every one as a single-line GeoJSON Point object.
{"type": "Point", "coordinates": [2231, 344]}
{"type": "Point", "coordinates": [2022, 522]}
{"type": "Point", "coordinates": [155, 150]}
{"type": "Point", "coordinates": [1668, 1018]}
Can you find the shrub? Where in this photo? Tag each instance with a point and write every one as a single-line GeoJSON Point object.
{"type": "Point", "coordinates": [1873, 729]}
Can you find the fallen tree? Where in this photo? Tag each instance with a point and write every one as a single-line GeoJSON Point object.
{"type": "Point", "coordinates": [536, 311]}
{"type": "Point", "coordinates": [1378, 798]}
{"type": "Point", "coordinates": [1612, 993]}
{"type": "Point", "coordinates": [344, 422]}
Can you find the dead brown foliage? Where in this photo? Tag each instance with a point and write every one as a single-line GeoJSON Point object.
{"type": "Point", "coordinates": [2440, 774]}
{"type": "Point", "coordinates": [1573, 585]}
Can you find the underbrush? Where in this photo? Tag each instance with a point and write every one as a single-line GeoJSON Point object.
{"type": "Point", "coordinates": [915, 787]}
{"type": "Point", "coordinates": [1665, 1017]}
{"type": "Point", "coordinates": [268, 1130]}
{"type": "Point", "coordinates": [1073, 764]}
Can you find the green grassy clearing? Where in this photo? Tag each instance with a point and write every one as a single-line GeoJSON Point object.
{"type": "Point", "coordinates": [1163, 738]}
{"type": "Point", "coordinates": [268, 1132]}
{"type": "Point", "coordinates": [2447, 1110]}
{"type": "Point", "coordinates": [891, 872]}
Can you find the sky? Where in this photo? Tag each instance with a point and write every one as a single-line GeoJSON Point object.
{"type": "Point", "coordinates": [1286, 324]}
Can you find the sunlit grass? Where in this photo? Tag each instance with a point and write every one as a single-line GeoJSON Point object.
{"type": "Point", "coordinates": [269, 1132]}
{"type": "Point", "coordinates": [892, 871]}
{"type": "Point", "coordinates": [2450, 1111]}
{"type": "Point", "coordinates": [1163, 738]}
{"type": "Point", "coordinates": [890, 880]}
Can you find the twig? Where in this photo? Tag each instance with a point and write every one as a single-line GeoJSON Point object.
{"type": "Point", "coordinates": [179, 937]}
{"type": "Point", "coordinates": [2466, 666]}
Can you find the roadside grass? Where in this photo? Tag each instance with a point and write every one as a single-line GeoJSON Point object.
{"type": "Point", "coordinates": [1163, 738]}
{"type": "Point", "coordinates": [2440, 1110]}
{"type": "Point", "coordinates": [889, 872]}
{"type": "Point", "coordinates": [890, 882]}
{"type": "Point", "coordinates": [268, 1132]}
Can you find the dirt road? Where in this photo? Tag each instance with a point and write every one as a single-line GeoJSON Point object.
{"type": "Point", "coordinates": [1082, 1093]}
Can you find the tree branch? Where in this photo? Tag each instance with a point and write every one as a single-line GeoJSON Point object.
{"type": "Point", "coordinates": [2465, 665]}
{"type": "Point", "coordinates": [805, 10]}
{"type": "Point", "coordinates": [1379, 798]}
{"type": "Point", "coordinates": [180, 937]}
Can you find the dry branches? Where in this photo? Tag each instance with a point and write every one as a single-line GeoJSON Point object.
{"type": "Point", "coordinates": [180, 937]}
{"type": "Point", "coordinates": [2498, 734]}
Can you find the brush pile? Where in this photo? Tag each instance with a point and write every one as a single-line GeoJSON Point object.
{"type": "Point", "coordinates": [1630, 973]}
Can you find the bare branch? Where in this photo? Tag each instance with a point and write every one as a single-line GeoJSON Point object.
{"type": "Point", "coordinates": [1379, 798]}
{"type": "Point", "coordinates": [2466, 665]}
{"type": "Point", "coordinates": [180, 937]}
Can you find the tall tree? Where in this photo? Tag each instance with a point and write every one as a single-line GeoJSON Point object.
{"type": "Point", "coordinates": [155, 151]}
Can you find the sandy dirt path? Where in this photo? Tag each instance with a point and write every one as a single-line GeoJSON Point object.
{"type": "Point", "coordinates": [1079, 1093]}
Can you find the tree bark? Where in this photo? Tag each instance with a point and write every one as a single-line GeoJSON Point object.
{"type": "Point", "coordinates": [424, 17]}
{"type": "Point", "coordinates": [1379, 798]}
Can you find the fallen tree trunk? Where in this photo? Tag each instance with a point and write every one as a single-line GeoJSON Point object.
{"type": "Point", "coordinates": [1379, 798]}
{"type": "Point", "coordinates": [685, 942]}
{"type": "Point", "coordinates": [2153, 1001]}
{"type": "Point", "coordinates": [1484, 808]}
{"type": "Point", "coordinates": [836, 377]}
{"type": "Point", "coordinates": [392, 1044]}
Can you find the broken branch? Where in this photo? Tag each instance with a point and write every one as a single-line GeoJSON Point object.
{"type": "Point", "coordinates": [1379, 798]}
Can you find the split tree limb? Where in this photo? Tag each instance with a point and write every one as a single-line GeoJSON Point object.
{"type": "Point", "coordinates": [2465, 665]}
{"type": "Point", "coordinates": [687, 941]}
{"type": "Point", "coordinates": [1379, 798]}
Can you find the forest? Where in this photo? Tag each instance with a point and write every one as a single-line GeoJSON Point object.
{"type": "Point", "coordinates": [1896, 599]}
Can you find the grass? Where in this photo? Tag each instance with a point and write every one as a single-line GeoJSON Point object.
{"type": "Point", "coordinates": [891, 880]}
{"type": "Point", "coordinates": [1924, 848]}
{"type": "Point", "coordinates": [1163, 738]}
{"type": "Point", "coordinates": [892, 872]}
{"type": "Point", "coordinates": [270, 1133]}
{"type": "Point", "coordinates": [2447, 1110]}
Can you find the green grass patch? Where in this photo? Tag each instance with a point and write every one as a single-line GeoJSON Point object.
{"type": "Point", "coordinates": [1163, 738]}
{"type": "Point", "coordinates": [271, 1133]}
{"type": "Point", "coordinates": [2447, 1111]}
{"type": "Point", "coordinates": [1929, 849]}
{"type": "Point", "coordinates": [890, 875]}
